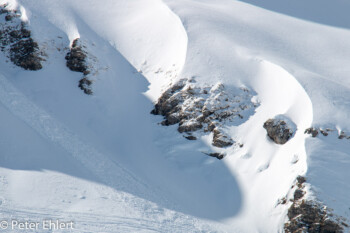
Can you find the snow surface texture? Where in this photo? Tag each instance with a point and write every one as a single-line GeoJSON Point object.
{"type": "Point", "coordinates": [103, 160]}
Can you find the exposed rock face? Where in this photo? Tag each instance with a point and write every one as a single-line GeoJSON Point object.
{"type": "Point", "coordinates": [309, 215]}
{"type": "Point", "coordinates": [16, 41]}
{"type": "Point", "coordinates": [279, 130]}
{"type": "Point", "coordinates": [204, 109]}
{"type": "Point", "coordinates": [76, 61]}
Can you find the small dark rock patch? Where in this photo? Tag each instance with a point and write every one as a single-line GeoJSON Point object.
{"type": "Point", "coordinates": [278, 130]}
{"type": "Point", "coordinates": [312, 131]}
{"type": "Point", "coordinates": [190, 137]}
{"type": "Point", "coordinates": [300, 180]}
{"type": "Point", "coordinates": [342, 135]}
{"type": "Point", "coordinates": [217, 155]}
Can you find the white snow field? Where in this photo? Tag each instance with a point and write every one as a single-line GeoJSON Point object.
{"type": "Point", "coordinates": [104, 162]}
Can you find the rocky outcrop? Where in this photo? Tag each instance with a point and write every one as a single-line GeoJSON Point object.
{"type": "Point", "coordinates": [309, 215]}
{"type": "Point", "coordinates": [312, 217]}
{"type": "Point", "coordinates": [204, 109]}
{"type": "Point", "coordinates": [325, 132]}
{"type": "Point", "coordinates": [76, 61]}
{"type": "Point", "coordinates": [76, 58]}
{"type": "Point", "coordinates": [16, 41]}
{"type": "Point", "coordinates": [279, 130]}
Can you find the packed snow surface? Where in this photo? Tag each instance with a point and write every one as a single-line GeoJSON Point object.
{"type": "Point", "coordinates": [104, 162]}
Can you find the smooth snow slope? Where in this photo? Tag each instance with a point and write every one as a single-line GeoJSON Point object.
{"type": "Point", "coordinates": [328, 12]}
{"type": "Point", "coordinates": [226, 41]}
{"type": "Point", "coordinates": [103, 160]}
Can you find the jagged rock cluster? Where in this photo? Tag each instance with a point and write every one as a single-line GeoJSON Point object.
{"type": "Point", "coordinates": [204, 109]}
{"type": "Point", "coordinates": [16, 41]}
{"type": "Point", "coordinates": [310, 216]}
{"type": "Point", "coordinates": [325, 132]}
{"type": "Point", "coordinates": [279, 130]}
{"type": "Point", "coordinates": [76, 61]}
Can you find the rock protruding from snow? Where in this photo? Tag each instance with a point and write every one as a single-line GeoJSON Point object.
{"type": "Point", "coordinates": [76, 61]}
{"type": "Point", "coordinates": [205, 108]}
{"type": "Point", "coordinates": [310, 215]}
{"type": "Point", "coordinates": [16, 40]}
{"type": "Point", "coordinates": [221, 140]}
{"type": "Point", "coordinates": [325, 132]}
{"type": "Point", "coordinates": [76, 58]}
{"type": "Point", "coordinates": [280, 129]}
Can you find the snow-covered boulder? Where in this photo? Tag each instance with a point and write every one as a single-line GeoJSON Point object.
{"type": "Point", "coordinates": [280, 129]}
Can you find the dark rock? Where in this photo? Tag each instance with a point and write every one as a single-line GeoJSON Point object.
{"type": "Point", "coordinates": [283, 201]}
{"type": "Point", "coordinates": [221, 140]}
{"type": "Point", "coordinates": [16, 41]}
{"type": "Point", "coordinates": [301, 180]}
{"type": "Point", "coordinates": [342, 135]}
{"type": "Point", "coordinates": [190, 137]}
{"type": "Point", "coordinates": [24, 54]}
{"type": "Point", "coordinates": [76, 58]}
{"type": "Point", "coordinates": [172, 119]}
{"type": "Point", "coordinates": [312, 131]}
{"type": "Point", "coordinates": [278, 130]}
{"type": "Point", "coordinates": [84, 84]}
{"type": "Point", "coordinates": [217, 155]}
{"type": "Point", "coordinates": [211, 126]}
{"type": "Point", "coordinates": [324, 132]}
{"type": "Point", "coordinates": [298, 194]}
{"type": "Point", "coordinates": [8, 17]}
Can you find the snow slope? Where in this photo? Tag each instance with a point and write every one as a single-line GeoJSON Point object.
{"type": "Point", "coordinates": [105, 162]}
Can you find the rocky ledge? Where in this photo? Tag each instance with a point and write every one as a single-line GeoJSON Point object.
{"type": "Point", "coordinates": [205, 109]}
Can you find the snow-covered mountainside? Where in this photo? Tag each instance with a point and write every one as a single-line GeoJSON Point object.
{"type": "Point", "coordinates": [175, 115]}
